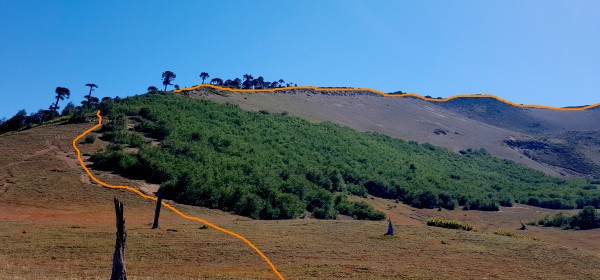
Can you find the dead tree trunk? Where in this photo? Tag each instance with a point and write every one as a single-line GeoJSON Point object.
{"type": "Point", "coordinates": [118, 268]}
{"type": "Point", "coordinates": [157, 210]}
{"type": "Point", "coordinates": [523, 227]}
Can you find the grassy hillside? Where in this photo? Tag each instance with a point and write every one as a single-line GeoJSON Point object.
{"type": "Point", "coordinates": [272, 166]}
{"type": "Point", "coordinates": [56, 225]}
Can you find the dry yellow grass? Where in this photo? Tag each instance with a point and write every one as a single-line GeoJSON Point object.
{"type": "Point", "coordinates": [449, 223]}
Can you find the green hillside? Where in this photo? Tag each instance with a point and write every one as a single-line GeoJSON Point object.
{"type": "Point", "coordinates": [273, 166]}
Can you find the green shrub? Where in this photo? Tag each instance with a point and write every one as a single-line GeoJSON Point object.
{"type": "Point", "coordinates": [320, 203]}
{"type": "Point", "coordinates": [558, 220]}
{"type": "Point", "coordinates": [425, 199]}
{"type": "Point", "coordinates": [118, 123]}
{"type": "Point", "coordinates": [358, 210]}
{"type": "Point", "coordinates": [289, 206]}
{"type": "Point", "coordinates": [249, 205]}
{"type": "Point", "coordinates": [587, 218]}
{"type": "Point", "coordinates": [364, 211]}
{"type": "Point", "coordinates": [89, 139]}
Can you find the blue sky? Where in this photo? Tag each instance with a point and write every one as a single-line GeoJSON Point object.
{"type": "Point", "coordinates": [542, 52]}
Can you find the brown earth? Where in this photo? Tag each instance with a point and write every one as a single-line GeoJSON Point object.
{"type": "Point", "coordinates": [55, 224]}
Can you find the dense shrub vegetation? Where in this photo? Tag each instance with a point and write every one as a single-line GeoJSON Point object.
{"type": "Point", "coordinates": [270, 166]}
{"type": "Point", "coordinates": [449, 223]}
{"type": "Point", "coordinates": [587, 218]}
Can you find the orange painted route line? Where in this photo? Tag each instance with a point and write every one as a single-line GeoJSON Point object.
{"type": "Point", "coordinates": [394, 95]}
{"type": "Point", "coordinates": [164, 203]}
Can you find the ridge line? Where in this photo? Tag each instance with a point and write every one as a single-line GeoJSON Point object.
{"type": "Point", "coordinates": [583, 108]}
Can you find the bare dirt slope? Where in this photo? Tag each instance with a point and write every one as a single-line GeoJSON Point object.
{"type": "Point", "coordinates": [567, 139]}
{"type": "Point", "coordinates": [533, 120]}
{"type": "Point", "coordinates": [55, 224]}
{"type": "Point", "coordinates": [404, 118]}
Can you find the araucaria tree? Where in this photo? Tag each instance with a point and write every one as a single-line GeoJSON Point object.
{"type": "Point", "coordinates": [61, 94]}
{"type": "Point", "coordinates": [167, 78]}
{"type": "Point", "coordinates": [92, 87]}
{"type": "Point", "coordinates": [217, 81]}
{"type": "Point", "coordinates": [237, 83]}
{"type": "Point", "coordinates": [204, 76]}
{"type": "Point", "coordinates": [259, 82]}
{"type": "Point", "coordinates": [89, 100]}
{"type": "Point", "coordinates": [248, 81]}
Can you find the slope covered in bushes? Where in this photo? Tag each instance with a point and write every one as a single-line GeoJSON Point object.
{"type": "Point", "coordinates": [587, 218]}
{"type": "Point", "coordinates": [271, 166]}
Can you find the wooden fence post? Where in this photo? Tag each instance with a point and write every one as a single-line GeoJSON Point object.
{"type": "Point", "coordinates": [390, 230]}
{"type": "Point", "coordinates": [118, 268]}
{"type": "Point", "coordinates": [157, 210]}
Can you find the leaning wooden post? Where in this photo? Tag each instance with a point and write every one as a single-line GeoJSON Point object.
{"type": "Point", "coordinates": [118, 268]}
{"type": "Point", "coordinates": [157, 209]}
{"type": "Point", "coordinates": [523, 227]}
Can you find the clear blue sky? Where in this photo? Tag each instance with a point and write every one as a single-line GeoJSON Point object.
{"type": "Point", "coordinates": [544, 52]}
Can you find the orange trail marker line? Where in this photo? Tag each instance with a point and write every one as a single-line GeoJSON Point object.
{"type": "Point", "coordinates": [394, 95]}
{"type": "Point", "coordinates": [164, 203]}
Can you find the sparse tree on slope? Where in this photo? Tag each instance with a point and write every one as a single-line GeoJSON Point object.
{"type": "Point", "coordinates": [167, 78]}
{"type": "Point", "coordinates": [89, 100]}
{"type": "Point", "coordinates": [62, 93]}
{"type": "Point", "coordinates": [152, 89]}
{"type": "Point", "coordinates": [281, 82]}
{"type": "Point", "coordinates": [14, 123]}
{"type": "Point", "coordinates": [237, 83]}
{"type": "Point", "coordinates": [92, 87]}
{"type": "Point", "coordinates": [204, 76]}
{"type": "Point", "coordinates": [248, 81]}
{"type": "Point", "coordinates": [217, 82]}
{"type": "Point", "coordinates": [259, 82]}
